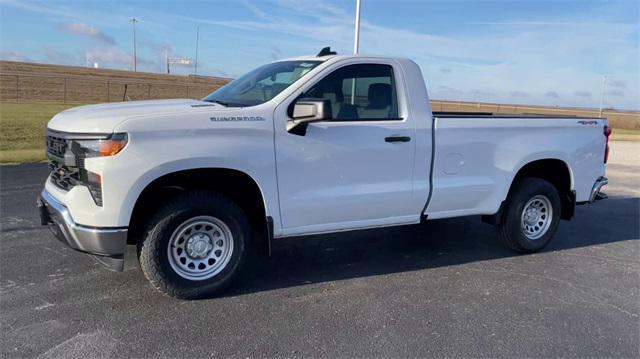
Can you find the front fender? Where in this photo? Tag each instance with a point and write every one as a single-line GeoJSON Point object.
{"type": "Point", "coordinates": [167, 168]}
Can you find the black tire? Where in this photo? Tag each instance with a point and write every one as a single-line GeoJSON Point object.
{"type": "Point", "coordinates": [511, 230]}
{"type": "Point", "coordinates": [154, 249]}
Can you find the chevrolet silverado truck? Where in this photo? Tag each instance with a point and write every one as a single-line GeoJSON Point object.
{"type": "Point", "coordinates": [309, 145]}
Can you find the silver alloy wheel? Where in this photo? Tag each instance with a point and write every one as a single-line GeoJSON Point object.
{"type": "Point", "coordinates": [536, 217]}
{"type": "Point", "coordinates": [200, 248]}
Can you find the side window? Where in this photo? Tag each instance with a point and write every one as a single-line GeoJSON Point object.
{"type": "Point", "coordinates": [359, 92]}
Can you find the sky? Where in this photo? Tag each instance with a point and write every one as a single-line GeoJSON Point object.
{"type": "Point", "coordinates": [506, 51]}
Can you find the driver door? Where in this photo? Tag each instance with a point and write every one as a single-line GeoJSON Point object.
{"type": "Point", "coordinates": [356, 169]}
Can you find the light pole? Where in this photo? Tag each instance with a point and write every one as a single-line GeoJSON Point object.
{"type": "Point", "coordinates": [195, 72]}
{"type": "Point", "coordinates": [356, 46]}
{"type": "Point", "coordinates": [604, 86]}
{"type": "Point", "coordinates": [135, 60]}
{"type": "Point", "coordinates": [356, 40]}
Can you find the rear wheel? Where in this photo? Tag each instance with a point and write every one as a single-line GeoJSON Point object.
{"type": "Point", "coordinates": [530, 216]}
{"type": "Point", "coordinates": [194, 245]}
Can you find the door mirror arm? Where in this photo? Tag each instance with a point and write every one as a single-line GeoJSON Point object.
{"type": "Point", "coordinates": [306, 111]}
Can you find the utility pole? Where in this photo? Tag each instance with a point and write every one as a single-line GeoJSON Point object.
{"type": "Point", "coordinates": [195, 72]}
{"type": "Point", "coordinates": [356, 46]}
{"type": "Point", "coordinates": [604, 86]}
{"type": "Point", "coordinates": [356, 40]}
{"type": "Point", "coordinates": [135, 59]}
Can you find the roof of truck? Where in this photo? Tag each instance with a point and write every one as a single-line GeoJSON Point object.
{"type": "Point", "coordinates": [331, 57]}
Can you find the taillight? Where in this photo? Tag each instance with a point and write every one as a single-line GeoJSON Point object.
{"type": "Point", "coordinates": [607, 134]}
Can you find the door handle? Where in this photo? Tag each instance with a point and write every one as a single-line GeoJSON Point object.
{"type": "Point", "coordinates": [397, 139]}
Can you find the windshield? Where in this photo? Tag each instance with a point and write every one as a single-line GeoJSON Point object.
{"type": "Point", "coordinates": [261, 84]}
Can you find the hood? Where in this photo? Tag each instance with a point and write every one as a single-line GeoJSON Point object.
{"type": "Point", "coordinates": [103, 118]}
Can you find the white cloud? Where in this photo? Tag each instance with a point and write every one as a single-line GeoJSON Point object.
{"type": "Point", "coordinates": [618, 93]}
{"type": "Point", "coordinates": [55, 56]}
{"type": "Point", "coordinates": [41, 8]}
{"type": "Point", "coordinates": [160, 51]}
{"type": "Point", "coordinates": [110, 55]}
{"type": "Point", "coordinates": [81, 28]}
{"type": "Point", "coordinates": [617, 84]}
{"type": "Point", "coordinates": [12, 55]}
{"type": "Point", "coordinates": [552, 94]}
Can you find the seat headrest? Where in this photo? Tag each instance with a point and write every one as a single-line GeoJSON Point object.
{"type": "Point", "coordinates": [331, 87]}
{"type": "Point", "coordinates": [379, 96]}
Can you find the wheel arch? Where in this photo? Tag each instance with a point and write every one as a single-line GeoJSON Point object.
{"type": "Point", "coordinates": [237, 184]}
{"type": "Point", "coordinates": [556, 171]}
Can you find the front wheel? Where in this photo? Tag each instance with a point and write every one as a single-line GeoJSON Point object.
{"type": "Point", "coordinates": [530, 216]}
{"type": "Point", "coordinates": [195, 245]}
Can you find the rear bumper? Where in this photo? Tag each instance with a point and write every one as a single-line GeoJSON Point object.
{"type": "Point", "coordinates": [107, 245]}
{"type": "Point", "coordinates": [596, 195]}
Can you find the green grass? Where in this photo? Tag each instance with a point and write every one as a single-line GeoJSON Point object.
{"type": "Point", "coordinates": [622, 134]}
{"type": "Point", "coordinates": [22, 128]}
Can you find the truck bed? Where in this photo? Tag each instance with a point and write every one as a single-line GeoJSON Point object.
{"type": "Point", "coordinates": [477, 155]}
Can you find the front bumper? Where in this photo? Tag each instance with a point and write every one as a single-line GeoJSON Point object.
{"type": "Point", "coordinates": [107, 245]}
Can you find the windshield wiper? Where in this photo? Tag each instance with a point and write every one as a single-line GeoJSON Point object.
{"type": "Point", "coordinates": [225, 104]}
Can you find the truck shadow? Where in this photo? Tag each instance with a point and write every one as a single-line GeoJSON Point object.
{"type": "Point", "coordinates": [314, 259]}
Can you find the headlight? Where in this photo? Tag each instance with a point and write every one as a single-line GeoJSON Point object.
{"type": "Point", "coordinates": [100, 148]}
{"type": "Point", "coordinates": [91, 148]}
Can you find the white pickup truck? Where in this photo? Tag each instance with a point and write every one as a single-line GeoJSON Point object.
{"type": "Point", "coordinates": [309, 145]}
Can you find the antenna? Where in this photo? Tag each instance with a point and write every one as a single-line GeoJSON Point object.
{"type": "Point", "coordinates": [326, 51]}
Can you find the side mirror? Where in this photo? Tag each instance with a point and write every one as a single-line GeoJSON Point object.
{"type": "Point", "coordinates": [306, 111]}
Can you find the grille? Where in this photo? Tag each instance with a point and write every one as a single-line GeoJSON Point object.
{"type": "Point", "coordinates": [56, 146]}
{"type": "Point", "coordinates": [62, 176]}
{"type": "Point", "coordinates": [66, 162]}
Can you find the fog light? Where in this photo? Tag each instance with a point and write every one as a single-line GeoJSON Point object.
{"type": "Point", "coordinates": [94, 183]}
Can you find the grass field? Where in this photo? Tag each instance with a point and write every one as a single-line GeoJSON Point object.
{"type": "Point", "coordinates": [22, 128]}
{"type": "Point", "coordinates": [622, 134]}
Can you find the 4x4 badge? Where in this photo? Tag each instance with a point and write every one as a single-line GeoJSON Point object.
{"type": "Point", "coordinates": [592, 122]}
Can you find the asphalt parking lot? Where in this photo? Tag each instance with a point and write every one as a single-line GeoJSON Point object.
{"type": "Point", "coordinates": [444, 288]}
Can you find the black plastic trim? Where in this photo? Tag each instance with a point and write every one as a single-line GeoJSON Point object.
{"type": "Point", "coordinates": [392, 139]}
{"type": "Point", "coordinates": [269, 234]}
{"type": "Point", "coordinates": [505, 115]}
{"type": "Point", "coordinates": [431, 165]}
{"type": "Point", "coordinates": [567, 213]}
{"type": "Point", "coordinates": [365, 119]}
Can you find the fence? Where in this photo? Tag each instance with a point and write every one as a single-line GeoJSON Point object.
{"type": "Point", "coordinates": [24, 87]}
